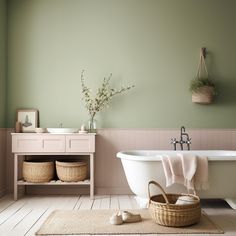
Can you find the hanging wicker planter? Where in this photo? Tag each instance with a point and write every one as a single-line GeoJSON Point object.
{"type": "Point", "coordinates": [204, 95]}
{"type": "Point", "coordinates": [202, 87]}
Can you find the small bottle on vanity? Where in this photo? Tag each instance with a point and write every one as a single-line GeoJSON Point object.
{"type": "Point", "coordinates": [18, 127]}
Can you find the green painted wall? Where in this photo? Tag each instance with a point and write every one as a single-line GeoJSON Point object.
{"type": "Point", "coordinates": [153, 44]}
{"type": "Point", "coordinates": [2, 62]}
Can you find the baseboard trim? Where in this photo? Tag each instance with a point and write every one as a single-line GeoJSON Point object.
{"type": "Point", "coordinates": [61, 190]}
{"type": "Point", "coordinates": [72, 190]}
{"type": "Point", "coordinates": [76, 190]}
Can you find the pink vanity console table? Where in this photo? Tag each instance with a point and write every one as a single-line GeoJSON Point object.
{"type": "Point", "coordinates": [31, 144]}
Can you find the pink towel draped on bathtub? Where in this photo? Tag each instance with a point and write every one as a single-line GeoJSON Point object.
{"type": "Point", "coordinates": [186, 169]}
{"type": "Point", "coordinates": [201, 175]}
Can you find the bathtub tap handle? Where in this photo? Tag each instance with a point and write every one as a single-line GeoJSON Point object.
{"type": "Point", "coordinates": [188, 143]}
{"type": "Point", "coordinates": [174, 141]}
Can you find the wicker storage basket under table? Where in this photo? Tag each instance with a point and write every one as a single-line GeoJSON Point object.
{"type": "Point", "coordinates": [164, 211]}
{"type": "Point", "coordinates": [38, 171]}
{"type": "Point", "coordinates": [72, 171]}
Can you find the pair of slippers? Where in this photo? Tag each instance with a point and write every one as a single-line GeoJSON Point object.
{"type": "Point", "coordinates": [121, 217]}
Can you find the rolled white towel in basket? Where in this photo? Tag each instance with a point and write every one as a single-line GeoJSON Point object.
{"type": "Point", "coordinates": [184, 200]}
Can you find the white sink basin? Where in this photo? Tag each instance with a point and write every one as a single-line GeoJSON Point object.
{"type": "Point", "coordinates": [62, 130]}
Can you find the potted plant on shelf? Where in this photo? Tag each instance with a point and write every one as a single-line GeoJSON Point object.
{"type": "Point", "coordinates": [101, 100]}
{"type": "Point", "coordinates": [202, 87]}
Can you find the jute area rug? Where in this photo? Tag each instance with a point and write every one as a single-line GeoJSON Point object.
{"type": "Point", "coordinates": [72, 222]}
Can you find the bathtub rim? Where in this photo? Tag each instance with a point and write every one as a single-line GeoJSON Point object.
{"type": "Point", "coordinates": [213, 155]}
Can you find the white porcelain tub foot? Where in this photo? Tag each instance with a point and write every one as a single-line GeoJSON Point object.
{"type": "Point", "coordinates": [231, 202]}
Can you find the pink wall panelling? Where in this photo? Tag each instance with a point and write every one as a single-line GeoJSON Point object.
{"type": "Point", "coordinates": [3, 159]}
{"type": "Point", "coordinates": [109, 174]}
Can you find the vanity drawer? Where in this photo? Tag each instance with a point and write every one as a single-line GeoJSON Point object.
{"type": "Point", "coordinates": [82, 143]}
{"type": "Point", "coordinates": [38, 143]}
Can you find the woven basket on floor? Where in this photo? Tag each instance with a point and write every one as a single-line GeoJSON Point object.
{"type": "Point", "coordinates": [164, 211]}
{"type": "Point", "coordinates": [71, 171]}
{"type": "Point", "coordinates": [38, 172]}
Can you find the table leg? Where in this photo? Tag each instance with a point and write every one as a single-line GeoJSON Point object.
{"type": "Point", "coordinates": [92, 176]}
{"type": "Point", "coordinates": [15, 175]}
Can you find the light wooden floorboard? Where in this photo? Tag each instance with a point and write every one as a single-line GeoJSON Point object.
{"type": "Point", "coordinates": [11, 222]}
{"type": "Point", "coordinates": [124, 202]}
{"type": "Point", "coordinates": [41, 217]}
{"type": "Point", "coordinates": [134, 203]}
{"type": "Point", "coordinates": [114, 202]}
{"type": "Point", "coordinates": [97, 202]}
{"type": "Point", "coordinates": [51, 204]}
{"type": "Point", "coordinates": [25, 216]}
{"type": "Point", "coordinates": [105, 202]}
{"type": "Point", "coordinates": [5, 202]}
{"type": "Point", "coordinates": [11, 210]}
{"type": "Point", "coordinates": [27, 223]}
{"type": "Point", "coordinates": [86, 203]}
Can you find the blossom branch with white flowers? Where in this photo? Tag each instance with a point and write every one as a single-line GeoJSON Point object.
{"type": "Point", "coordinates": [103, 97]}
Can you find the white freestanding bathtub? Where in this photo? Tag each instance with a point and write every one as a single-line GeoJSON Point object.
{"type": "Point", "coordinates": [141, 166]}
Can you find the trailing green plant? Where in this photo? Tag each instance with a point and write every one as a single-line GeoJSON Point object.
{"type": "Point", "coordinates": [198, 83]}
